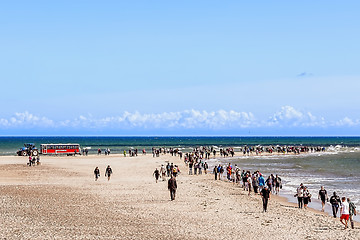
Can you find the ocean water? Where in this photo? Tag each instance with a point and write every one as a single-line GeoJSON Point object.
{"type": "Point", "coordinates": [9, 145]}
{"type": "Point", "coordinates": [338, 169]}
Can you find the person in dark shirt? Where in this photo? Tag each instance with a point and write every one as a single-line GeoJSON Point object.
{"type": "Point", "coordinates": [96, 173]}
{"type": "Point", "coordinates": [323, 197]}
{"type": "Point", "coordinates": [156, 174]}
{"type": "Point", "coordinates": [108, 172]}
{"type": "Point", "coordinates": [265, 194]}
{"type": "Point", "coordinates": [172, 186]}
{"type": "Point", "coordinates": [335, 201]}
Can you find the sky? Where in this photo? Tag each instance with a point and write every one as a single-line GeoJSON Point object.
{"type": "Point", "coordinates": [180, 68]}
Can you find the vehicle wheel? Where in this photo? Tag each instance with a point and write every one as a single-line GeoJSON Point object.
{"type": "Point", "coordinates": [23, 153]}
{"type": "Point", "coordinates": [35, 152]}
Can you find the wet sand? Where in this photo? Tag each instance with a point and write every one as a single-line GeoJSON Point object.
{"type": "Point", "coordinates": [60, 200]}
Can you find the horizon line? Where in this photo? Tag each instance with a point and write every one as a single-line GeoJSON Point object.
{"type": "Point", "coordinates": [180, 136]}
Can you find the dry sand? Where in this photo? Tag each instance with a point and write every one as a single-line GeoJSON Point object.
{"type": "Point", "coordinates": [60, 200]}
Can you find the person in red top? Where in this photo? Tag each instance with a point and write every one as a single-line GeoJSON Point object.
{"type": "Point", "coordinates": [228, 170]}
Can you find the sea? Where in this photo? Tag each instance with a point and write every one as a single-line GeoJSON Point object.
{"type": "Point", "coordinates": [337, 169]}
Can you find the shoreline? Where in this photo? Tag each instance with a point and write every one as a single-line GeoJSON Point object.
{"type": "Point", "coordinates": [62, 199]}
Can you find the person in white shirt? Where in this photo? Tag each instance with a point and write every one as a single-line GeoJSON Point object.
{"type": "Point", "coordinates": [344, 212]}
{"type": "Point", "coordinates": [300, 195]}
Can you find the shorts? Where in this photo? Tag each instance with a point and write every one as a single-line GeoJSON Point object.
{"type": "Point", "coordinates": [344, 216]}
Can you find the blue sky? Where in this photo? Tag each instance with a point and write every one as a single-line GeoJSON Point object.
{"type": "Point", "coordinates": [180, 68]}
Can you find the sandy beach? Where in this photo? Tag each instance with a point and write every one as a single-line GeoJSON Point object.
{"type": "Point", "coordinates": [60, 200]}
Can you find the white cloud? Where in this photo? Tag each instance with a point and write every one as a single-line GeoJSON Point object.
{"type": "Point", "coordinates": [286, 117]}
{"type": "Point", "coordinates": [26, 120]}
{"type": "Point", "coordinates": [290, 117]}
{"type": "Point", "coordinates": [346, 121]}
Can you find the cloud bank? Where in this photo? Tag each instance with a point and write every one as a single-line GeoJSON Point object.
{"type": "Point", "coordinates": [286, 118]}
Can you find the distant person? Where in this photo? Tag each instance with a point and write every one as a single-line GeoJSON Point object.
{"type": "Point", "coordinates": [265, 194]}
{"type": "Point", "coordinates": [335, 201]}
{"type": "Point", "coordinates": [190, 167]}
{"type": "Point", "coordinates": [300, 195]}
{"type": "Point", "coordinates": [96, 173]}
{"type": "Point", "coordinates": [206, 166]}
{"type": "Point", "coordinates": [306, 197]}
{"type": "Point", "coordinates": [30, 161]}
{"type": "Point", "coordinates": [168, 170]}
{"type": "Point", "coordinates": [261, 180]}
{"type": "Point", "coordinates": [172, 186]}
{"type": "Point", "coordinates": [344, 212]}
{"type": "Point", "coordinates": [108, 172]}
{"type": "Point", "coordinates": [99, 151]}
{"type": "Point", "coordinates": [352, 212]}
{"type": "Point", "coordinates": [277, 181]}
{"type": "Point", "coordinates": [156, 174]}
{"type": "Point", "coordinates": [228, 172]}
{"type": "Point", "coordinates": [215, 172]}
{"type": "Point", "coordinates": [163, 172]}
{"type": "Point", "coordinates": [323, 197]}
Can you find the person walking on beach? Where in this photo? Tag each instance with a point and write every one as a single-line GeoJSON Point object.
{"type": "Point", "coordinates": [352, 211]}
{"type": "Point", "coordinates": [30, 161]}
{"type": "Point", "coordinates": [335, 201]}
{"type": "Point", "coordinates": [190, 167]}
{"type": "Point", "coordinates": [269, 183]}
{"type": "Point", "coordinates": [249, 182]}
{"type": "Point", "coordinates": [228, 172]}
{"type": "Point", "coordinates": [261, 182]}
{"type": "Point", "coordinates": [323, 197]}
{"type": "Point", "coordinates": [219, 170]}
{"type": "Point", "coordinates": [306, 197]}
{"type": "Point", "coordinates": [300, 195]}
{"type": "Point", "coordinates": [277, 181]}
{"type": "Point", "coordinates": [265, 194]}
{"type": "Point", "coordinates": [172, 186]}
{"type": "Point", "coordinates": [255, 183]}
{"type": "Point", "coordinates": [215, 172]}
{"type": "Point", "coordinates": [168, 170]}
{"type": "Point", "coordinates": [108, 172]}
{"type": "Point", "coordinates": [163, 172]}
{"type": "Point", "coordinates": [206, 166]}
{"type": "Point", "coordinates": [156, 174]}
{"type": "Point", "coordinates": [96, 173]}
{"type": "Point", "coordinates": [344, 212]}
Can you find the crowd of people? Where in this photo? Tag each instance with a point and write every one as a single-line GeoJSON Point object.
{"type": "Point", "coordinates": [33, 160]}
{"type": "Point", "coordinates": [170, 171]}
{"type": "Point", "coordinates": [249, 150]}
{"type": "Point", "coordinates": [207, 152]}
{"type": "Point", "coordinates": [250, 182]}
{"type": "Point", "coordinates": [347, 208]}
{"type": "Point", "coordinates": [256, 182]}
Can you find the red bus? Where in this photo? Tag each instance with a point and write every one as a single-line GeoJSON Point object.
{"type": "Point", "coordinates": [68, 148]}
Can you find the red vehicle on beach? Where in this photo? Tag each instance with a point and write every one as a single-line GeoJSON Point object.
{"type": "Point", "coordinates": [68, 148]}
